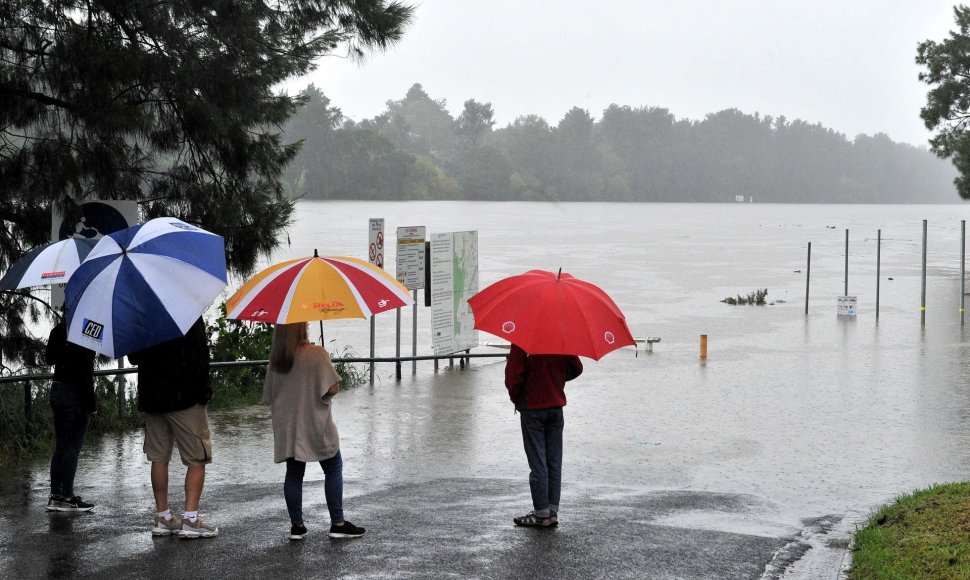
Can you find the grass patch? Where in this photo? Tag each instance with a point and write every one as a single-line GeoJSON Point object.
{"type": "Point", "coordinates": [922, 535]}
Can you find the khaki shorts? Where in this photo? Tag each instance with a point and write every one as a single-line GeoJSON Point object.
{"type": "Point", "coordinates": [188, 428]}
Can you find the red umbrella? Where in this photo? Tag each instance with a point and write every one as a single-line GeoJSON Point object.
{"type": "Point", "coordinates": [547, 313]}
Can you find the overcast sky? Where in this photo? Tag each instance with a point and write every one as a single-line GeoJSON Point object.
{"type": "Point", "coordinates": [848, 64]}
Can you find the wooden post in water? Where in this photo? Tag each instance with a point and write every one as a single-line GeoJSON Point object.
{"type": "Point", "coordinates": [922, 300]}
{"type": "Point", "coordinates": [808, 276]}
{"type": "Point", "coordinates": [703, 346]}
{"type": "Point", "coordinates": [846, 293]}
{"type": "Point", "coordinates": [878, 266]}
{"type": "Point", "coordinates": [963, 256]}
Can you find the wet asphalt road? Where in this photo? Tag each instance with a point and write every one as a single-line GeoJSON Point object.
{"type": "Point", "coordinates": [443, 528]}
{"type": "Point", "coordinates": [434, 470]}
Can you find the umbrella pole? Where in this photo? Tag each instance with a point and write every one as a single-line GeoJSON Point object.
{"type": "Point", "coordinates": [321, 333]}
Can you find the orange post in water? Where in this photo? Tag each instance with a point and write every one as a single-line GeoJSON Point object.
{"type": "Point", "coordinates": [703, 346]}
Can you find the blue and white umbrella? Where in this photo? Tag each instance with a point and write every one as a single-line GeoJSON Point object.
{"type": "Point", "coordinates": [144, 285]}
{"type": "Point", "coordinates": [48, 264]}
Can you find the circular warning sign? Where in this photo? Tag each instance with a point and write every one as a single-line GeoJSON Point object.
{"type": "Point", "coordinates": [372, 252]}
{"type": "Point", "coordinates": [380, 240]}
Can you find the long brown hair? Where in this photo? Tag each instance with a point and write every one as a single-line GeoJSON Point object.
{"type": "Point", "coordinates": [286, 339]}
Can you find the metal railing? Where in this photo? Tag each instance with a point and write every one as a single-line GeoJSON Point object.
{"type": "Point", "coordinates": [27, 379]}
{"type": "Point", "coordinates": [255, 363]}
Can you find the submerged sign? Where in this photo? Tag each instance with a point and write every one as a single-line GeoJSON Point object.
{"type": "Point", "coordinates": [846, 305]}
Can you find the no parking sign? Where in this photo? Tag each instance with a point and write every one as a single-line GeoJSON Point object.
{"type": "Point", "coordinates": [375, 247]}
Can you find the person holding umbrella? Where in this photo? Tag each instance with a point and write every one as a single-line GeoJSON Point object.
{"type": "Point", "coordinates": [72, 404]}
{"type": "Point", "coordinates": [299, 387]}
{"type": "Point", "coordinates": [550, 319]}
{"type": "Point", "coordinates": [174, 389]}
{"type": "Point", "coordinates": [536, 385]}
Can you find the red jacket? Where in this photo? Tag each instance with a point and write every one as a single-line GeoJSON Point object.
{"type": "Point", "coordinates": [540, 379]}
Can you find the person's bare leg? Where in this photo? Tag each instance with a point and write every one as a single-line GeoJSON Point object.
{"type": "Point", "coordinates": [194, 480]}
{"type": "Point", "coordinates": [160, 486]}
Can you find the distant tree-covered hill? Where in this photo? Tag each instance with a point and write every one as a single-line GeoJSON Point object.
{"type": "Point", "coordinates": [417, 150]}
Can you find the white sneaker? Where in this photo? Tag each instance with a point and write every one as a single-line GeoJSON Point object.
{"type": "Point", "coordinates": [197, 529]}
{"type": "Point", "coordinates": [167, 526]}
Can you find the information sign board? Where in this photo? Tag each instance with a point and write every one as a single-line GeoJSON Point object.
{"type": "Point", "coordinates": [410, 256]}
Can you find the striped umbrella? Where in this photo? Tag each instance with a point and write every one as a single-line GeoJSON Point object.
{"type": "Point", "coordinates": [49, 264]}
{"type": "Point", "coordinates": [144, 285]}
{"type": "Point", "coordinates": [317, 288]}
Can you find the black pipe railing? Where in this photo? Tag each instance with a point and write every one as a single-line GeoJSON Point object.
{"type": "Point", "coordinates": [27, 379]}
{"type": "Point", "coordinates": [255, 363]}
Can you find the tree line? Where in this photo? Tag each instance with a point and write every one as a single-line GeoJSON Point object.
{"type": "Point", "coordinates": [416, 150]}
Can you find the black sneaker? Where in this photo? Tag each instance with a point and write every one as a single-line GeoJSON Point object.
{"type": "Point", "coordinates": [297, 532]}
{"type": "Point", "coordinates": [347, 530]}
{"type": "Point", "coordinates": [74, 504]}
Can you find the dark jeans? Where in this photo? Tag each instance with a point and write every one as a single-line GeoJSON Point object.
{"type": "Point", "coordinates": [70, 426]}
{"type": "Point", "coordinates": [542, 436]}
{"type": "Point", "coordinates": [333, 488]}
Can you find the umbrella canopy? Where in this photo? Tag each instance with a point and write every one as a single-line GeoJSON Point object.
{"type": "Point", "coordinates": [317, 288]}
{"type": "Point", "coordinates": [546, 313]}
{"type": "Point", "coordinates": [144, 285]}
{"type": "Point", "coordinates": [49, 264]}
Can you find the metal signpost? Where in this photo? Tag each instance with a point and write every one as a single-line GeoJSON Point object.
{"type": "Point", "coordinates": [411, 273]}
{"type": "Point", "coordinates": [375, 255]}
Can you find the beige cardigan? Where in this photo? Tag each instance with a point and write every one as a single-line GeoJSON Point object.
{"type": "Point", "coordinates": [302, 424]}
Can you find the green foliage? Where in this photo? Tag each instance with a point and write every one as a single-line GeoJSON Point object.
{"type": "Point", "coordinates": [416, 150]}
{"type": "Point", "coordinates": [18, 442]}
{"type": "Point", "coordinates": [233, 340]}
{"type": "Point", "coordinates": [351, 375]}
{"type": "Point", "coordinates": [947, 107]}
{"type": "Point", "coordinates": [475, 122]}
{"type": "Point", "coordinates": [922, 535]}
{"type": "Point", "coordinates": [172, 104]}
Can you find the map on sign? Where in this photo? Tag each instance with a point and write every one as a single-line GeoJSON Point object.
{"type": "Point", "coordinates": [454, 279]}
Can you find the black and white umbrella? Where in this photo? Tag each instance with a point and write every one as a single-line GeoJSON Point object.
{"type": "Point", "coordinates": [50, 264]}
